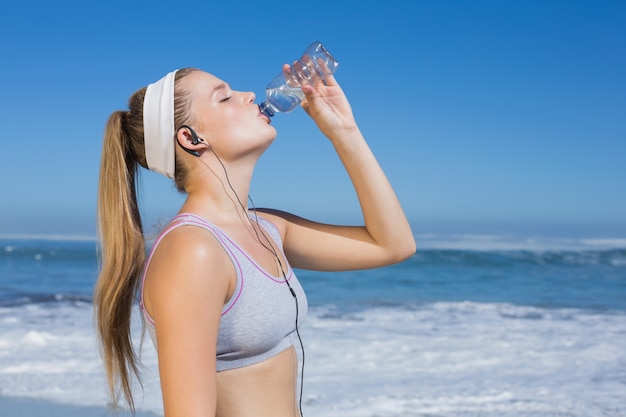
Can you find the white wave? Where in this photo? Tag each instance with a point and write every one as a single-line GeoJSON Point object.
{"type": "Point", "coordinates": [35, 338]}
{"type": "Point", "coordinates": [425, 241]}
{"type": "Point", "coordinates": [605, 242]}
{"type": "Point", "coordinates": [506, 243]}
{"type": "Point", "coordinates": [50, 237]}
{"type": "Point", "coordinates": [441, 359]}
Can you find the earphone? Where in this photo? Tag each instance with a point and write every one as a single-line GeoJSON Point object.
{"type": "Point", "coordinates": [195, 139]}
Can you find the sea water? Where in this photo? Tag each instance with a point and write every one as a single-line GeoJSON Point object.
{"type": "Point", "coordinates": [475, 326]}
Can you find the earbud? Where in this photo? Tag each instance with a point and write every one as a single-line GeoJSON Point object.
{"type": "Point", "coordinates": [195, 139]}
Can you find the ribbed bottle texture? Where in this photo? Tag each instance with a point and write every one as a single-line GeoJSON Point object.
{"type": "Point", "coordinates": [284, 92]}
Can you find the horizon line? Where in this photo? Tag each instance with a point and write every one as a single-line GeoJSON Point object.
{"type": "Point", "coordinates": [428, 241]}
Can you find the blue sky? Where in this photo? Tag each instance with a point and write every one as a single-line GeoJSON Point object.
{"type": "Point", "coordinates": [490, 117]}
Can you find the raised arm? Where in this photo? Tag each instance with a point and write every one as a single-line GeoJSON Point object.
{"type": "Point", "coordinates": [386, 236]}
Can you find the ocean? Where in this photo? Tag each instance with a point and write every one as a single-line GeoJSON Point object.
{"type": "Point", "coordinates": [470, 326]}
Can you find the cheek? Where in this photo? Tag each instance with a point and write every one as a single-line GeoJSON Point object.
{"type": "Point", "coordinates": [243, 132]}
{"type": "Point", "coordinates": [238, 128]}
{"type": "Point", "coordinates": [220, 124]}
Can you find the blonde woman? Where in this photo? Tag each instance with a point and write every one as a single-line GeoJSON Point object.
{"type": "Point", "coordinates": [218, 292]}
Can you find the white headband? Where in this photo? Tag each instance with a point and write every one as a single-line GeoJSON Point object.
{"type": "Point", "coordinates": [158, 125]}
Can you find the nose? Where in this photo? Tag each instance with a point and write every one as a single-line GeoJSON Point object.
{"type": "Point", "coordinates": [251, 97]}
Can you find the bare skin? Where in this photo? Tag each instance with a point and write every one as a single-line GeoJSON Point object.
{"type": "Point", "coordinates": [191, 277]}
{"type": "Point", "coordinates": [186, 314]}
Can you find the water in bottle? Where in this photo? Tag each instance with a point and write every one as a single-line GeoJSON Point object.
{"type": "Point", "coordinates": [284, 92]}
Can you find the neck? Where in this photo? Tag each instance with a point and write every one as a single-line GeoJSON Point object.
{"type": "Point", "coordinates": [219, 193]}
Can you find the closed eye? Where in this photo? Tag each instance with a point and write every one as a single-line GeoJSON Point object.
{"type": "Point", "coordinates": [224, 99]}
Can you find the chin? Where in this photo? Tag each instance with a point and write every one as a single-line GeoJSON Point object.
{"type": "Point", "coordinates": [273, 134]}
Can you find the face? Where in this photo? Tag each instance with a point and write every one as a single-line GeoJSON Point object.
{"type": "Point", "coordinates": [228, 120]}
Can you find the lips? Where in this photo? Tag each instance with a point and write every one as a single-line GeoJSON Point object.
{"type": "Point", "coordinates": [263, 116]}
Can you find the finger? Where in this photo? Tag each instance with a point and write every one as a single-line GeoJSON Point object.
{"type": "Point", "coordinates": [329, 79]}
{"type": "Point", "coordinates": [310, 97]}
{"type": "Point", "coordinates": [308, 90]}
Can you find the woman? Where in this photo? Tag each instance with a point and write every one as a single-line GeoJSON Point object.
{"type": "Point", "coordinates": [218, 291]}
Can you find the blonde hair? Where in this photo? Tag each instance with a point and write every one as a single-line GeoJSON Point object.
{"type": "Point", "coordinates": [122, 244]}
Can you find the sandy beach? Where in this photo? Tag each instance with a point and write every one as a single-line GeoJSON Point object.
{"type": "Point", "coordinates": [29, 407]}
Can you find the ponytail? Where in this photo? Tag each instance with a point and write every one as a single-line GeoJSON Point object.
{"type": "Point", "coordinates": [122, 245]}
{"type": "Point", "coordinates": [122, 257]}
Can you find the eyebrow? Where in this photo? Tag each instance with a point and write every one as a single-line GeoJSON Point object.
{"type": "Point", "coordinates": [221, 86]}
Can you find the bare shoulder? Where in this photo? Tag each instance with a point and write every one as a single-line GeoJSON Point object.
{"type": "Point", "coordinates": [296, 225]}
{"type": "Point", "coordinates": [283, 220]}
{"type": "Point", "coordinates": [188, 261]}
{"type": "Point", "coordinates": [185, 290]}
{"type": "Point", "coordinates": [278, 218]}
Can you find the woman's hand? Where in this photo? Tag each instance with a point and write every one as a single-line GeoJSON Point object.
{"type": "Point", "coordinates": [386, 236]}
{"type": "Point", "coordinates": [328, 106]}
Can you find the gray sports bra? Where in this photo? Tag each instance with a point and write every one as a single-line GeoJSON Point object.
{"type": "Point", "coordinates": [259, 320]}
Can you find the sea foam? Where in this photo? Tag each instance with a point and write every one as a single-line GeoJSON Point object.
{"type": "Point", "coordinates": [438, 359]}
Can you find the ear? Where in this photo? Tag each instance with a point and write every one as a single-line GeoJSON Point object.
{"type": "Point", "coordinates": [186, 136]}
{"type": "Point", "coordinates": [189, 141]}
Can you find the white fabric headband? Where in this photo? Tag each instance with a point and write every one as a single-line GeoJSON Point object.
{"type": "Point", "coordinates": [158, 125]}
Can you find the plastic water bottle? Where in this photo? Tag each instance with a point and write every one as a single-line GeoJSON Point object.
{"type": "Point", "coordinates": [284, 92]}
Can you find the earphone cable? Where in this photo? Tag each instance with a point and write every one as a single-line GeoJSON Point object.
{"type": "Point", "coordinates": [271, 249]}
